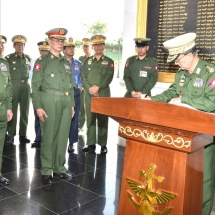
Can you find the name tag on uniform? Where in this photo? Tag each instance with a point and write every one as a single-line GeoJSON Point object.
{"type": "Point", "coordinates": [143, 74]}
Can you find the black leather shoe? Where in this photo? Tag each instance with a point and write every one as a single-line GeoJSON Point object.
{"type": "Point", "coordinates": [47, 179]}
{"type": "Point", "coordinates": [63, 175]}
{"type": "Point", "coordinates": [90, 148]}
{"type": "Point", "coordinates": [104, 150]}
{"type": "Point", "coordinates": [9, 140]}
{"type": "Point", "coordinates": [23, 139]}
{"type": "Point", "coordinates": [4, 181]}
{"type": "Point", "coordinates": [36, 144]}
{"type": "Point", "coordinates": [71, 148]}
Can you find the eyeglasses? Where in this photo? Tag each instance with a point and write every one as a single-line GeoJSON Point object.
{"type": "Point", "coordinates": [58, 40]}
{"type": "Point", "coordinates": [177, 60]}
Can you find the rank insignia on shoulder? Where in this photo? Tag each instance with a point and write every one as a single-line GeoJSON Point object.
{"type": "Point", "coordinates": [8, 56]}
{"type": "Point", "coordinates": [40, 58]}
{"type": "Point", "coordinates": [210, 69]}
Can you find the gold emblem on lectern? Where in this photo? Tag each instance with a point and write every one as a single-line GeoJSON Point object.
{"type": "Point", "coordinates": [148, 196]}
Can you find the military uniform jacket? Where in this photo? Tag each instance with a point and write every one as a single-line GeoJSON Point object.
{"type": "Point", "coordinates": [196, 89]}
{"type": "Point", "coordinates": [5, 84]}
{"type": "Point", "coordinates": [140, 75]}
{"type": "Point", "coordinates": [99, 73]}
{"type": "Point", "coordinates": [82, 58]}
{"type": "Point", "coordinates": [53, 74]}
{"type": "Point", "coordinates": [19, 66]}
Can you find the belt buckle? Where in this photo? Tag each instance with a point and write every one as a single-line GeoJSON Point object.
{"type": "Point", "coordinates": [66, 93]}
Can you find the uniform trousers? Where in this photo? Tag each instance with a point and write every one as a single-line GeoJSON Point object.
{"type": "Point", "coordinates": [209, 179]}
{"type": "Point", "coordinates": [82, 115]}
{"type": "Point", "coordinates": [3, 128]}
{"type": "Point", "coordinates": [21, 97]}
{"type": "Point", "coordinates": [55, 132]}
{"type": "Point", "coordinates": [37, 127]}
{"type": "Point", "coordinates": [73, 134]}
{"type": "Point", "coordinates": [96, 123]}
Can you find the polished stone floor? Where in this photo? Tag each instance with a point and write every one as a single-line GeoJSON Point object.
{"type": "Point", "coordinates": [94, 190]}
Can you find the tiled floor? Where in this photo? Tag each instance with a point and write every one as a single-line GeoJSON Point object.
{"type": "Point", "coordinates": [94, 190]}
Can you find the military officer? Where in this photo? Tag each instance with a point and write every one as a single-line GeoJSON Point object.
{"type": "Point", "coordinates": [53, 99]}
{"type": "Point", "coordinates": [96, 75]}
{"type": "Point", "coordinates": [194, 85]}
{"type": "Point", "coordinates": [86, 44]}
{"type": "Point", "coordinates": [43, 47]}
{"type": "Point", "coordinates": [69, 51]}
{"type": "Point", "coordinates": [5, 102]}
{"type": "Point", "coordinates": [141, 71]}
{"type": "Point", "coordinates": [19, 64]}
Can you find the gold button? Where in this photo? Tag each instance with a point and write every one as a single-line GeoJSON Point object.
{"type": "Point", "coordinates": [0, 103]}
{"type": "Point", "coordinates": [66, 93]}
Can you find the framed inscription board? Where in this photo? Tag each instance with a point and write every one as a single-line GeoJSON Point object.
{"type": "Point", "coordinates": [169, 18]}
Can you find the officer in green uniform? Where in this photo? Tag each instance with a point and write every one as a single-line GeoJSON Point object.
{"type": "Point", "coordinates": [43, 47]}
{"type": "Point", "coordinates": [141, 71]}
{"type": "Point", "coordinates": [5, 102]}
{"type": "Point", "coordinates": [53, 99]}
{"type": "Point", "coordinates": [87, 50]}
{"type": "Point", "coordinates": [19, 64]}
{"type": "Point", "coordinates": [96, 75]}
{"type": "Point", "coordinates": [194, 85]}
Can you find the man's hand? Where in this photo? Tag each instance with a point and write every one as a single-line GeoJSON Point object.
{"type": "Point", "coordinates": [144, 96]}
{"type": "Point", "coordinates": [175, 101]}
{"type": "Point", "coordinates": [94, 90]}
{"type": "Point", "coordinates": [73, 111]}
{"type": "Point", "coordinates": [41, 114]}
{"type": "Point", "coordinates": [9, 115]}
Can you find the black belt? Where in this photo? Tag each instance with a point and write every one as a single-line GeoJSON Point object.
{"type": "Point", "coordinates": [19, 81]}
{"type": "Point", "coordinates": [54, 92]}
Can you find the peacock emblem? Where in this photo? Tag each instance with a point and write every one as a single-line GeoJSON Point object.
{"type": "Point", "coordinates": [149, 198]}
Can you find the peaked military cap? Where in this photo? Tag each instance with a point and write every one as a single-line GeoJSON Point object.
{"type": "Point", "coordinates": [141, 42]}
{"type": "Point", "coordinates": [98, 39]}
{"type": "Point", "coordinates": [179, 45]}
{"type": "Point", "coordinates": [86, 41]}
{"type": "Point", "coordinates": [43, 45]}
{"type": "Point", "coordinates": [3, 39]}
{"type": "Point", "coordinates": [58, 33]}
{"type": "Point", "coordinates": [19, 39]}
{"type": "Point", "coordinates": [70, 42]}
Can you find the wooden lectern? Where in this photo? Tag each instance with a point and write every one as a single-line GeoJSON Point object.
{"type": "Point", "coordinates": [164, 156]}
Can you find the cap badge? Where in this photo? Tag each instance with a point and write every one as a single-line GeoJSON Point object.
{"type": "Point", "coordinates": [139, 41]}
{"type": "Point", "coordinates": [19, 37]}
{"type": "Point", "coordinates": [70, 39]}
{"type": "Point", "coordinates": [61, 31]}
{"type": "Point", "coordinates": [97, 37]}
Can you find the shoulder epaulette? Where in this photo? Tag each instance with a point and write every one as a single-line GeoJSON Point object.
{"type": "Point", "coordinates": [210, 68]}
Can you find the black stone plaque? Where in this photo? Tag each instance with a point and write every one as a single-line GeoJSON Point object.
{"type": "Point", "coordinates": [169, 18]}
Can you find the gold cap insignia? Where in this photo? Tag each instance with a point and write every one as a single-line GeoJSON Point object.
{"type": "Point", "coordinates": [61, 31]}
{"type": "Point", "coordinates": [139, 41]}
{"type": "Point", "coordinates": [70, 39]}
